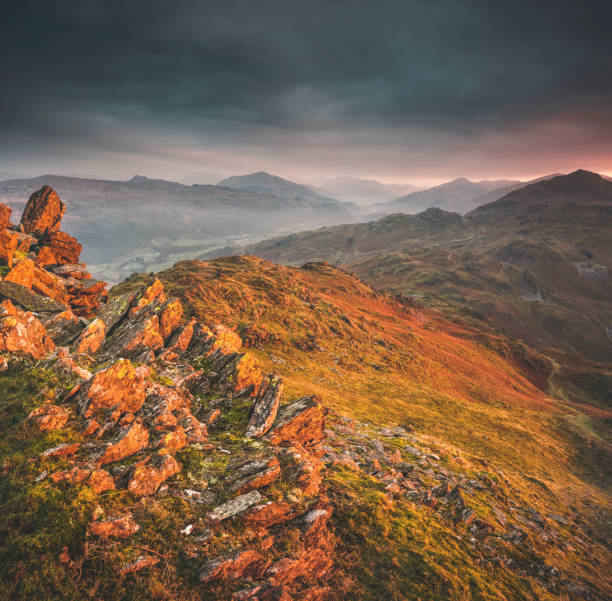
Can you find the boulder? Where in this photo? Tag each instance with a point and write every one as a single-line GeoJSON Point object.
{"type": "Point", "coordinates": [43, 212]}
{"type": "Point", "coordinates": [234, 507]}
{"type": "Point", "coordinates": [115, 310]}
{"type": "Point", "coordinates": [301, 422]}
{"type": "Point", "coordinates": [49, 417]}
{"type": "Point", "coordinates": [119, 386]}
{"type": "Point", "coordinates": [268, 514]}
{"type": "Point", "coordinates": [265, 407]}
{"type": "Point", "coordinates": [120, 527]}
{"type": "Point", "coordinates": [20, 331]}
{"type": "Point", "coordinates": [48, 284]}
{"type": "Point", "coordinates": [59, 247]}
{"type": "Point", "coordinates": [257, 477]}
{"type": "Point", "coordinates": [146, 478]}
{"type": "Point", "coordinates": [100, 481]}
{"type": "Point", "coordinates": [135, 336]}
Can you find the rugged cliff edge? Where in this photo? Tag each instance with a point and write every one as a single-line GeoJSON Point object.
{"type": "Point", "coordinates": [147, 455]}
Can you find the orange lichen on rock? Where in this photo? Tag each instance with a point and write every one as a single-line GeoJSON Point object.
{"type": "Point", "coordinates": [169, 317]}
{"type": "Point", "coordinates": [146, 478]}
{"type": "Point", "coordinates": [49, 417]}
{"type": "Point", "coordinates": [154, 292]}
{"type": "Point", "coordinates": [133, 438]}
{"type": "Point", "coordinates": [20, 331]}
{"type": "Point", "coordinates": [92, 337]}
{"type": "Point", "coordinates": [59, 248]}
{"type": "Point", "coordinates": [22, 273]}
{"type": "Point", "coordinates": [120, 385]}
{"type": "Point", "coordinates": [43, 212]}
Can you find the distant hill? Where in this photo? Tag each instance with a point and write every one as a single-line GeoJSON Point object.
{"type": "Point", "coordinates": [265, 183]}
{"type": "Point", "coordinates": [363, 192]}
{"type": "Point", "coordinates": [535, 264]}
{"type": "Point", "coordinates": [458, 195]}
{"type": "Point", "coordinates": [145, 224]}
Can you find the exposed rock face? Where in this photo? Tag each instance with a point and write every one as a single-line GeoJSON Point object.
{"type": "Point", "coordinates": [59, 247]}
{"type": "Point", "coordinates": [43, 212]}
{"type": "Point", "coordinates": [119, 386]}
{"type": "Point", "coordinates": [20, 331]}
{"type": "Point", "coordinates": [265, 407]}
{"type": "Point", "coordinates": [22, 273]}
{"type": "Point", "coordinates": [9, 241]}
{"type": "Point", "coordinates": [28, 300]}
{"type": "Point", "coordinates": [300, 422]}
{"type": "Point", "coordinates": [234, 507]}
{"type": "Point", "coordinates": [239, 565]}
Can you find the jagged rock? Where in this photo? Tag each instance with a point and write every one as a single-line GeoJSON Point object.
{"type": "Point", "coordinates": [5, 216]}
{"type": "Point", "coordinates": [100, 480]}
{"type": "Point", "coordinates": [73, 475]}
{"type": "Point", "coordinates": [62, 327]}
{"type": "Point", "coordinates": [20, 331]}
{"type": "Point", "coordinates": [146, 478]}
{"type": "Point", "coordinates": [22, 273]}
{"type": "Point", "coordinates": [92, 337]}
{"type": "Point", "coordinates": [49, 417]}
{"type": "Point", "coordinates": [59, 247]}
{"type": "Point", "coordinates": [133, 438]}
{"type": "Point", "coordinates": [29, 300]}
{"type": "Point", "coordinates": [299, 422]}
{"type": "Point", "coordinates": [265, 407]}
{"type": "Point", "coordinates": [63, 358]}
{"type": "Point", "coordinates": [121, 527]}
{"type": "Point", "coordinates": [268, 514]}
{"type": "Point", "coordinates": [243, 563]}
{"type": "Point", "coordinates": [25, 242]}
{"type": "Point", "coordinates": [148, 295]}
{"type": "Point", "coordinates": [43, 212]}
{"type": "Point", "coordinates": [140, 563]}
{"type": "Point", "coordinates": [179, 342]}
{"type": "Point", "coordinates": [173, 440]}
{"type": "Point", "coordinates": [135, 336]}
{"type": "Point", "coordinates": [170, 316]}
{"type": "Point", "coordinates": [313, 561]}
{"type": "Point", "coordinates": [63, 450]}
{"type": "Point", "coordinates": [48, 284]}
{"type": "Point", "coordinates": [119, 386]}
{"type": "Point", "coordinates": [9, 242]}
{"type": "Point", "coordinates": [226, 340]}
{"type": "Point", "coordinates": [257, 475]}
{"type": "Point", "coordinates": [115, 310]}
{"type": "Point", "coordinates": [234, 507]}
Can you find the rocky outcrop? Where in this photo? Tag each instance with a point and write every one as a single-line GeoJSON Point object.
{"type": "Point", "coordinates": [43, 212]}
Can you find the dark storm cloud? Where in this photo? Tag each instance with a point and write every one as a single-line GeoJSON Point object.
{"type": "Point", "coordinates": [102, 76]}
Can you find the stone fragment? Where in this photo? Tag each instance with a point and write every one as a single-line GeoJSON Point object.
{"type": "Point", "coordinates": [146, 478]}
{"type": "Point", "coordinates": [100, 480]}
{"type": "Point", "coordinates": [133, 438]}
{"type": "Point", "coordinates": [261, 474]}
{"type": "Point", "coordinates": [120, 527]}
{"type": "Point", "coordinates": [92, 337]}
{"type": "Point", "coordinates": [62, 327]}
{"type": "Point", "coordinates": [265, 407]}
{"type": "Point", "coordinates": [63, 450]}
{"type": "Point", "coordinates": [49, 417]}
{"type": "Point", "coordinates": [115, 310]}
{"type": "Point", "coordinates": [140, 563]}
{"type": "Point", "coordinates": [241, 564]}
{"type": "Point", "coordinates": [234, 507]}
{"type": "Point", "coordinates": [268, 514]}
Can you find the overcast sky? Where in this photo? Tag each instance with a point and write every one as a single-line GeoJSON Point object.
{"type": "Point", "coordinates": [397, 90]}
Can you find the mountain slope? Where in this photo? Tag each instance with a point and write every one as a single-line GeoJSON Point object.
{"type": "Point", "coordinates": [534, 264]}
{"type": "Point", "coordinates": [143, 224]}
{"type": "Point", "coordinates": [265, 183]}
{"type": "Point", "coordinates": [147, 455]}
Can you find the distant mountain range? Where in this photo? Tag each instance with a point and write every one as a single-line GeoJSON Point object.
{"type": "Point", "coordinates": [144, 224]}
{"type": "Point", "coordinates": [362, 192]}
{"type": "Point", "coordinates": [534, 264]}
